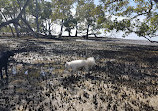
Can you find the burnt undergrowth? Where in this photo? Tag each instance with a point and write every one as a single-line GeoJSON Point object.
{"type": "Point", "coordinates": [118, 66]}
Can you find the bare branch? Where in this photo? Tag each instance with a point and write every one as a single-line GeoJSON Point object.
{"type": "Point", "coordinates": [150, 40]}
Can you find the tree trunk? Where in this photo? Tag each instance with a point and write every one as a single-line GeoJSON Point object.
{"type": "Point", "coordinates": [49, 28]}
{"type": "Point", "coordinates": [61, 30]}
{"type": "Point", "coordinates": [76, 30]}
{"type": "Point", "coordinates": [8, 22]}
{"type": "Point", "coordinates": [37, 13]}
{"type": "Point", "coordinates": [87, 32]}
{"type": "Point", "coordinates": [13, 35]}
{"type": "Point", "coordinates": [69, 33]}
{"type": "Point", "coordinates": [17, 30]}
{"type": "Point", "coordinates": [23, 9]}
{"type": "Point", "coordinates": [15, 21]}
{"type": "Point", "coordinates": [24, 14]}
{"type": "Point", "coordinates": [29, 27]}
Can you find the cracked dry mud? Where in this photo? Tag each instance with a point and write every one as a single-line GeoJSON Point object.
{"type": "Point", "coordinates": [125, 78]}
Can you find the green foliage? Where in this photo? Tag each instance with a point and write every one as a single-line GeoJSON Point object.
{"type": "Point", "coordinates": [88, 16]}
{"type": "Point", "coordinates": [146, 9]}
{"type": "Point", "coordinates": [70, 23]}
{"type": "Point", "coordinates": [142, 30]}
{"type": "Point", "coordinates": [121, 25]}
{"type": "Point", "coordinates": [61, 8]}
{"type": "Point", "coordinates": [46, 10]}
{"type": "Point", "coordinates": [154, 21]}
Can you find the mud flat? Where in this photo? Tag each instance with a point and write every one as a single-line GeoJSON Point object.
{"type": "Point", "coordinates": [125, 78]}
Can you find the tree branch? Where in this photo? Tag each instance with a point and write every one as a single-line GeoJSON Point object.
{"type": "Point", "coordinates": [9, 25]}
{"type": "Point", "coordinates": [146, 12]}
{"type": "Point", "coordinates": [143, 36]}
{"type": "Point", "coordinates": [138, 15]}
{"type": "Point", "coordinates": [28, 25]}
{"type": "Point", "coordinates": [111, 2]}
{"type": "Point", "coordinates": [15, 21]}
{"type": "Point", "coordinates": [23, 9]}
{"type": "Point", "coordinates": [150, 40]}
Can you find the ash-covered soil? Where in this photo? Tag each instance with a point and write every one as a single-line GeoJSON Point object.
{"type": "Point", "coordinates": [125, 78]}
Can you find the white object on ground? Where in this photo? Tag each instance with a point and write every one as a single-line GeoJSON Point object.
{"type": "Point", "coordinates": [43, 73]}
{"type": "Point", "coordinates": [76, 64]}
{"type": "Point", "coordinates": [14, 70]}
{"type": "Point", "coordinates": [26, 72]}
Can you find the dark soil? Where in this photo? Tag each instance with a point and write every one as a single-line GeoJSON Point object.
{"type": "Point", "coordinates": [125, 78]}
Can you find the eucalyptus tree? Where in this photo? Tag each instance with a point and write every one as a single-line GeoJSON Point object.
{"type": "Point", "coordinates": [140, 17]}
{"type": "Point", "coordinates": [3, 16]}
{"type": "Point", "coordinates": [18, 18]}
{"type": "Point", "coordinates": [37, 15]}
{"type": "Point", "coordinates": [61, 11]}
{"type": "Point", "coordinates": [14, 10]}
{"type": "Point", "coordinates": [34, 10]}
{"type": "Point", "coordinates": [9, 9]}
{"type": "Point", "coordinates": [70, 23]}
{"type": "Point", "coordinates": [85, 13]}
{"type": "Point", "coordinates": [88, 15]}
{"type": "Point", "coordinates": [46, 17]}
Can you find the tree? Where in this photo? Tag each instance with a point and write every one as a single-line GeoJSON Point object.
{"type": "Point", "coordinates": [61, 11]}
{"type": "Point", "coordinates": [34, 10]}
{"type": "Point", "coordinates": [46, 16]}
{"type": "Point", "coordinates": [18, 18]}
{"type": "Point", "coordinates": [15, 20]}
{"type": "Point", "coordinates": [69, 23]}
{"type": "Point", "coordinates": [9, 9]}
{"type": "Point", "coordinates": [146, 27]}
{"type": "Point", "coordinates": [2, 16]}
{"type": "Point", "coordinates": [88, 14]}
{"type": "Point", "coordinates": [37, 15]}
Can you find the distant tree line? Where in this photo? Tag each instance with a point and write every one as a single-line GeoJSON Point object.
{"type": "Point", "coordinates": [38, 17]}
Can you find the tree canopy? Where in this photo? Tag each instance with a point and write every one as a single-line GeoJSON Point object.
{"type": "Point", "coordinates": [140, 17]}
{"type": "Point", "coordinates": [84, 16]}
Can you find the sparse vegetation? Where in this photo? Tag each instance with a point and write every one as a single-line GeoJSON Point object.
{"type": "Point", "coordinates": [126, 76]}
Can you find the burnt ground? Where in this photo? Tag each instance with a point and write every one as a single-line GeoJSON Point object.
{"type": "Point", "coordinates": [125, 78]}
